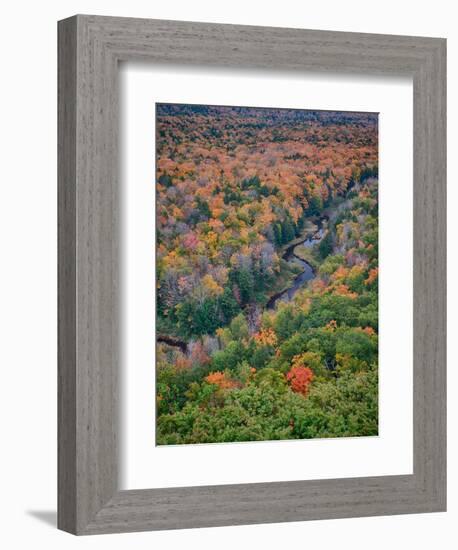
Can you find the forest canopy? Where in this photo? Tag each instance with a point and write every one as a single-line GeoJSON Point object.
{"type": "Point", "coordinates": [267, 274]}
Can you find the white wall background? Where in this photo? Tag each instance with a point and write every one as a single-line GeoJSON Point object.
{"type": "Point", "coordinates": [28, 271]}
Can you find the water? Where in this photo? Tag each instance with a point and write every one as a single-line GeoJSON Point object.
{"type": "Point", "coordinates": [308, 272]}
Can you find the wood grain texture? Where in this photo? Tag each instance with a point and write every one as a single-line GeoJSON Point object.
{"type": "Point", "coordinates": [90, 48]}
{"type": "Point", "coordinates": [67, 437]}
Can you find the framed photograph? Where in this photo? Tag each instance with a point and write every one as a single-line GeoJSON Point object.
{"type": "Point", "coordinates": [252, 263]}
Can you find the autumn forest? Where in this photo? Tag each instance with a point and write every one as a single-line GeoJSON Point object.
{"type": "Point", "coordinates": [266, 273]}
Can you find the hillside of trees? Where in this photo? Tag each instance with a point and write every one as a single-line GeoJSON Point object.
{"type": "Point", "coordinates": [235, 188]}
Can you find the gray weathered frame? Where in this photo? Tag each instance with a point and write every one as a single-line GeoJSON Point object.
{"type": "Point", "coordinates": [90, 48]}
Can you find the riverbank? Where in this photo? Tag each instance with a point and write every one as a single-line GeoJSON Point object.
{"type": "Point", "coordinates": [306, 254]}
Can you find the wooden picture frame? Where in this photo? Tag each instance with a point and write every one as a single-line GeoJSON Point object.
{"type": "Point", "coordinates": [90, 48]}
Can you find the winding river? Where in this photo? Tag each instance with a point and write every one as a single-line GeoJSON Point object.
{"type": "Point", "coordinates": [308, 273]}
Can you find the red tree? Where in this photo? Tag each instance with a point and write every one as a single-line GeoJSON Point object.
{"type": "Point", "coordinates": [300, 379]}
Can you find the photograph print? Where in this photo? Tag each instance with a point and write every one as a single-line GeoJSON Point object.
{"type": "Point", "coordinates": [266, 274]}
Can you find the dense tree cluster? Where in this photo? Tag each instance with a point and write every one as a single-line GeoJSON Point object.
{"type": "Point", "coordinates": [235, 186]}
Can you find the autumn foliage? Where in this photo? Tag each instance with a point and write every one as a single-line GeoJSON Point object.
{"type": "Point", "coordinates": [239, 193]}
{"type": "Point", "coordinates": [300, 379]}
{"type": "Point", "coordinates": [266, 337]}
{"type": "Point", "coordinates": [220, 379]}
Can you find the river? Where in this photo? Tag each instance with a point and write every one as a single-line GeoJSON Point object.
{"type": "Point", "coordinates": [308, 273]}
